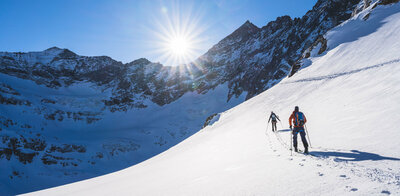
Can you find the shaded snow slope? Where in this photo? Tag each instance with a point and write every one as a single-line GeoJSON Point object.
{"type": "Point", "coordinates": [50, 153]}
{"type": "Point", "coordinates": [350, 95]}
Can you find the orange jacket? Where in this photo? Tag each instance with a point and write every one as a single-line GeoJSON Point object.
{"type": "Point", "coordinates": [291, 118]}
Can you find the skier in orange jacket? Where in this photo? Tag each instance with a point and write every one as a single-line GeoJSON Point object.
{"type": "Point", "coordinates": [298, 119]}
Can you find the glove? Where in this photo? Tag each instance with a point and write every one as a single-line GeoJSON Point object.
{"type": "Point", "coordinates": [290, 126]}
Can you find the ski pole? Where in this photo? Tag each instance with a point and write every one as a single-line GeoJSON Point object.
{"type": "Point", "coordinates": [291, 142]}
{"type": "Point", "coordinates": [308, 136]}
{"type": "Point", "coordinates": [267, 128]}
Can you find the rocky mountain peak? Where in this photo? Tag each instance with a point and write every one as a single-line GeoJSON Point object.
{"type": "Point", "coordinates": [283, 19]}
{"type": "Point", "coordinates": [245, 30]}
{"type": "Point", "coordinates": [54, 48]}
{"type": "Point", "coordinates": [240, 35]}
{"type": "Point", "coordinates": [141, 61]}
{"type": "Point", "coordinates": [278, 23]}
{"type": "Point", "coordinates": [60, 53]}
{"type": "Point", "coordinates": [249, 26]}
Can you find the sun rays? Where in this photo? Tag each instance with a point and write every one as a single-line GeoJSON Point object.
{"type": "Point", "coordinates": [178, 35]}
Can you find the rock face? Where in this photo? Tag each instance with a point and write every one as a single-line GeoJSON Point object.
{"type": "Point", "coordinates": [58, 109]}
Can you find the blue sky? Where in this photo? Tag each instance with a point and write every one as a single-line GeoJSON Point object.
{"type": "Point", "coordinates": [127, 30]}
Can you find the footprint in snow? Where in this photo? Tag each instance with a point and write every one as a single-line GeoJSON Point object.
{"type": "Point", "coordinates": [303, 160]}
{"type": "Point", "coordinates": [385, 192]}
{"type": "Point", "coordinates": [354, 189]}
{"type": "Point", "coordinates": [319, 165]}
{"type": "Point", "coordinates": [344, 176]}
{"type": "Point", "coordinates": [301, 164]}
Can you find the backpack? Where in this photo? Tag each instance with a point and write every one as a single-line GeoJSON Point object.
{"type": "Point", "coordinates": [273, 117]}
{"type": "Point", "coordinates": [298, 119]}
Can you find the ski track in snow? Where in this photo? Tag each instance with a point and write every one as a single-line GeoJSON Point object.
{"type": "Point", "coordinates": [333, 76]}
{"type": "Point", "coordinates": [350, 169]}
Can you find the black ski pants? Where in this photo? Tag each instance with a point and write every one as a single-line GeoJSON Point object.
{"type": "Point", "coordinates": [274, 125]}
{"type": "Point", "coordinates": [296, 131]}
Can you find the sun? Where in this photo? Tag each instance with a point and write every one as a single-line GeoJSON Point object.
{"type": "Point", "coordinates": [178, 35]}
{"type": "Point", "coordinates": [179, 46]}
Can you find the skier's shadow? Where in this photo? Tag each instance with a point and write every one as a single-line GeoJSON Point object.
{"type": "Point", "coordinates": [354, 155]}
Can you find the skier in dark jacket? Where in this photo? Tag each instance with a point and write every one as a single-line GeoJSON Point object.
{"type": "Point", "coordinates": [299, 119]}
{"type": "Point", "coordinates": [273, 117]}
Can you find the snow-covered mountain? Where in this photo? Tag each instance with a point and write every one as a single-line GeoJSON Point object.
{"type": "Point", "coordinates": [350, 94]}
{"type": "Point", "coordinates": [66, 117]}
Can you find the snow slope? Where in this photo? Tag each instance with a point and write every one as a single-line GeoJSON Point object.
{"type": "Point", "coordinates": [350, 95]}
